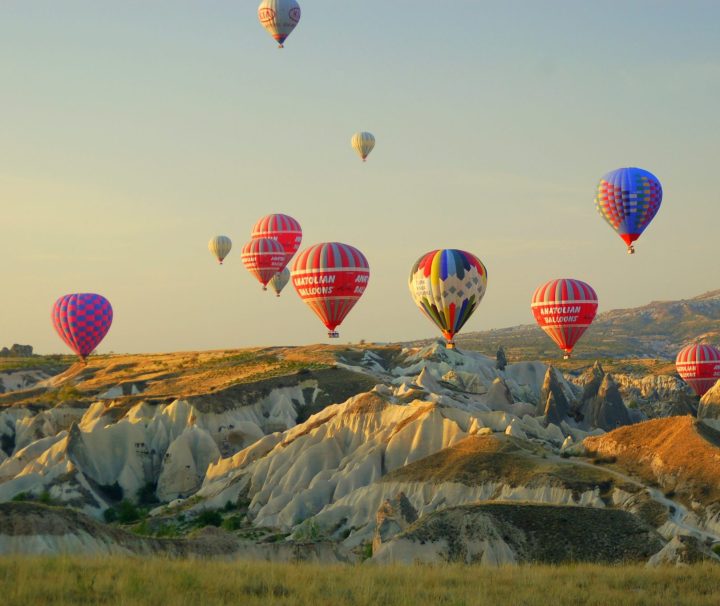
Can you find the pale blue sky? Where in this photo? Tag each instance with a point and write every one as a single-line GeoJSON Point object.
{"type": "Point", "coordinates": [134, 130]}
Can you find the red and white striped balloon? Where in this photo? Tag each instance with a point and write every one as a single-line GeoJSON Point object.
{"type": "Point", "coordinates": [564, 309]}
{"type": "Point", "coordinates": [699, 366]}
{"type": "Point", "coordinates": [282, 228]}
{"type": "Point", "coordinates": [330, 278]}
{"type": "Point", "coordinates": [263, 258]}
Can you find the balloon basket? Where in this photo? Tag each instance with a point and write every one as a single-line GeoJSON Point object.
{"type": "Point", "coordinates": [450, 345]}
{"type": "Point", "coordinates": [631, 250]}
{"type": "Point", "coordinates": [566, 356]}
{"type": "Point", "coordinates": [333, 334]}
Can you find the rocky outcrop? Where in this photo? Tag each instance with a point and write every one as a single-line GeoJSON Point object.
{"type": "Point", "coordinates": [601, 404]}
{"type": "Point", "coordinates": [502, 533]}
{"type": "Point", "coordinates": [500, 359]}
{"type": "Point", "coordinates": [683, 550]}
{"type": "Point", "coordinates": [553, 404]}
{"type": "Point", "coordinates": [393, 516]}
{"type": "Point", "coordinates": [709, 408]}
{"type": "Point", "coordinates": [17, 351]}
{"type": "Point", "coordinates": [607, 409]}
{"type": "Point", "coordinates": [499, 397]}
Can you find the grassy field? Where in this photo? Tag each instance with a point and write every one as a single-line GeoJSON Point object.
{"type": "Point", "coordinates": [60, 580]}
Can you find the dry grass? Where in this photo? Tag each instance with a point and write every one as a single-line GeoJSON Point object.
{"type": "Point", "coordinates": [677, 452]}
{"type": "Point", "coordinates": [184, 374]}
{"type": "Point", "coordinates": [65, 581]}
{"type": "Point", "coordinates": [479, 459]}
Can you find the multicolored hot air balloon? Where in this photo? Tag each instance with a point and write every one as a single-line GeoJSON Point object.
{"type": "Point", "coordinates": [330, 277]}
{"type": "Point", "coordinates": [448, 285]}
{"type": "Point", "coordinates": [279, 18]}
{"type": "Point", "coordinates": [282, 228]}
{"type": "Point", "coordinates": [82, 320]}
{"type": "Point", "coordinates": [628, 199]}
{"type": "Point", "coordinates": [564, 309]}
{"type": "Point", "coordinates": [263, 258]}
{"type": "Point", "coordinates": [363, 143]}
{"type": "Point", "coordinates": [699, 366]}
{"type": "Point", "coordinates": [220, 247]}
{"type": "Point", "coordinates": [280, 280]}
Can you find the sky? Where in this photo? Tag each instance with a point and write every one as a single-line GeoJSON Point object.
{"type": "Point", "coordinates": [134, 130]}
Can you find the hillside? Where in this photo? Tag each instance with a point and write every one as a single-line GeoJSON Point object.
{"type": "Point", "coordinates": [656, 330]}
{"type": "Point", "coordinates": [331, 453]}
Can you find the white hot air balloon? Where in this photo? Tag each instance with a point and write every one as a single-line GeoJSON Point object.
{"type": "Point", "coordinates": [363, 144]}
{"type": "Point", "coordinates": [279, 281]}
{"type": "Point", "coordinates": [279, 18]}
{"type": "Point", "coordinates": [220, 247]}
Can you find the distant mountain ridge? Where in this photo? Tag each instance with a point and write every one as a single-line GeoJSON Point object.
{"type": "Point", "coordinates": [656, 330]}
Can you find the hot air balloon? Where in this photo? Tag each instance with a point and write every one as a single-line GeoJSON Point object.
{"type": "Point", "coordinates": [263, 258]}
{"type": "Point", "coordinates": [220, 246]}
{"type": "Point", "coordinates": [330, 277]}
{"type": "Point", "coordinates": [699, 366]}
{"type": "Point", "coordinates": [282, 228]}
{"type": "Point", "coordinates": [279, 18]}
{"type": "Point", "coordinates": [448, 285]}
{"type": "Point", "coordinates": [564, 309]}
{"type": "Point", "coordinates": [82, 320]}
{"type": "Point", "coordinates": [628, 199]}
{"type": "Point", "coordinates": [280, 280]}
{"type": "Point", "coordinates": [363, 144]}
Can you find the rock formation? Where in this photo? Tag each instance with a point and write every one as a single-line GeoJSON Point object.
{"type": "Point", "coordinates": [709, 408]}
{"type": "Point", "coordinates": [553, 403]}
{"type": "Point", "coordinates": [393, 516]}
{"type": "Point", "coordinates": [601, 404]}
{"type": "Point", "coordinates": [17, 351]}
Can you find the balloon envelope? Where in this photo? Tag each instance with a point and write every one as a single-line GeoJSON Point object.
{"type": "Point", "coordinates": [279, 18]}
{"type": "Point", "coordinates": [628, 199]}
{"type": "Point", "coordinates": [448, 285]}
{"type": "Point", "coordinates": [220, 247]}
{"type": "Point", "coordinates": [330, 278]}
{"type": "Point", "coordinates": [564, 309]}
{"type": "Point", "coordinates": [282, 228]}
{"type": "Point", "coordinates": [263, 258]}
{"type": "Point", "coordinates": [363, 143]}
{"type": "Point", "coordinates": [280, 280]}
{"type": "Point", "coordinates": [82, 320]}
{"type": "Point", "coordinates": [699, 366]}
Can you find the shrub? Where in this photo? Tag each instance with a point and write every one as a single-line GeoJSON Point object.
{"type": "Point", "coordinates": [110, 515]}
{"type": "Point", "coordinates": [209, 517]}
{"type": "Point", "coordinates": [127, 512]}
{"type": "Point", "coordinates": [232, 523]}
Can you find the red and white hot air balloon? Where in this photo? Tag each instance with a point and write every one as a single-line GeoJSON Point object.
{"type": "Point", "coordinates": [282, 228]}
{"type": "Point", "coordinates": [699, 366]}
{"type": "Point", "coordinates": [263, 258]}
{"type": "Point", "coordinates": [564, 309]}
{"type": "Point", "coordinates": [330, 278]}
{"type": "Point", "coordinates": [279, 18]}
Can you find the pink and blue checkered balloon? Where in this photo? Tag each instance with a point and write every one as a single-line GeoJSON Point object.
{"type": "Point", "coordinates": [82, 320]}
